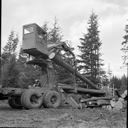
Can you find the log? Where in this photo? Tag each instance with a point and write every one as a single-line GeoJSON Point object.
{"type": "Point", "coordinates": [58, 60]}
{"type": "Point", "coordinates": [83, 90]}
{"type": "Point", "coordinates": [96, 98]}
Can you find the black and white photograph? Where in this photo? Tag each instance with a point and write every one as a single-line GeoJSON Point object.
{"type": "Point", "coordinates": [64, 63]}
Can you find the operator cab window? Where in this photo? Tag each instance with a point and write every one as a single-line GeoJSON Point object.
{"type": "Point", "coordinates": [28, 30]}
{"type": "Point", "coordinates": [40, 33]}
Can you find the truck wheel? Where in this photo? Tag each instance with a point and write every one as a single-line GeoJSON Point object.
{"type": "Point", "coordinates": [31, 99]}
{"type": "Point", "coordinates": [14, 102]}
{"type": "Point", "coordinates": [52, 99]}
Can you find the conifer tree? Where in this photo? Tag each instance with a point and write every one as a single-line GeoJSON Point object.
{"type": "Point", "coordinates": [11, 45]}
{"type": "Point", "coordinates": [125, 50]}
{"type": "Point", "coordinates": [46, 29]}
{"type": "Point", "coordinates": [90, 61]}
{"type": "Point", "coordinates": [10, 73]}
{"type": "Point", "coordinates": [9, 69]}
{"type": "Point", "coordinates": [54, 35]}
{"type": "Point", "coordinates": [125, 46]}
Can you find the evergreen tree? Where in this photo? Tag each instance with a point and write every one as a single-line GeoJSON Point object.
{"type": "Point", "coordinates": [125, 50]}
{"type": "Point", "coordinates": [116, 82]}
{"type": "Point", "coordinates": [9, 69]}
{"type": "Point", "coordinates": [11, 45]}
{"type": "Point", "coordinates": [119, 83]}
{"type": "Point", "coordinates": [10, 73]}
{"type": "Point", "coordinates": [54, 35]}
{"type": "Point", "coordinates": [46, 29]}
{"type": "Point", "coordinates": [124, 84]}
{"type": "Point", "coordinates": [125, 46]}
{"type": "Point", "coordinates": [90, 61]}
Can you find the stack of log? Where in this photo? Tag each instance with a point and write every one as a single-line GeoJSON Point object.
{"type": "Point", "coordinates": [96, 98]}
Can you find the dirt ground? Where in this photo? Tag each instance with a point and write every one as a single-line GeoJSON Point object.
{"type": "Point", "coordinates": [62, 118]}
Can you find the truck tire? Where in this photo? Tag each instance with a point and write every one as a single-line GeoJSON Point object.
{"type": "Point", "coordinates": [14, 102]}
{"type": "Point", "coordinates": [31, 99]}
{"type": "Point", "coordinates": [52, 99]}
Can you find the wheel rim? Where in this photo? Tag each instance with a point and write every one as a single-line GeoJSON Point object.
{"type": "Point", "coordinates": [53, 99]}
{"type": "Point", "coordinates": [34, 99]}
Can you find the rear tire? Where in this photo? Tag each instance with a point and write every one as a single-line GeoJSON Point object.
{"type": "Point", "coordinates": [52, 99]}
{"type": "Point", "coordinates": [14, 102]}
{"type": "Point", "coordinates": [31, 99]}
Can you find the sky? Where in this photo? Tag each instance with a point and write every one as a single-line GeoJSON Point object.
{"type": "Point", "coordinates": [72, 16]}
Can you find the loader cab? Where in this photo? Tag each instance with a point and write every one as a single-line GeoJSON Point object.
{"type": "Point", "coordinates": [34, 40]}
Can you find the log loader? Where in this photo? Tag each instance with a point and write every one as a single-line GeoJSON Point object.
{"type": "Point", "coordinates": [51, 94]}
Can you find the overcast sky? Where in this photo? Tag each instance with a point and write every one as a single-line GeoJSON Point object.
{"type": "Point", "coordinates": [72, 17]}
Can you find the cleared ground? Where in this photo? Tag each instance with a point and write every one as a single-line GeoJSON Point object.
{"type": "Point", "coordinates": [61, 118]}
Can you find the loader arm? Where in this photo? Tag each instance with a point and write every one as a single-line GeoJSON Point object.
{"type": "Point", "coordinates": [58, 60]}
